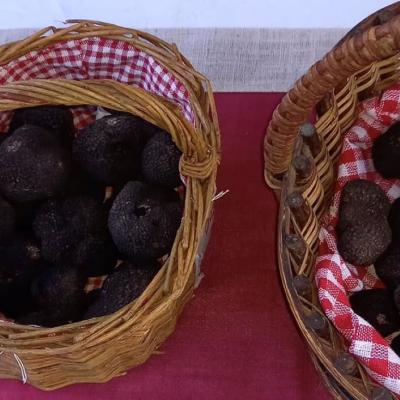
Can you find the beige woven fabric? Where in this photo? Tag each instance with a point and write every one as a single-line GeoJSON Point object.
{"type": "Point", "coordinates": [243, 60]}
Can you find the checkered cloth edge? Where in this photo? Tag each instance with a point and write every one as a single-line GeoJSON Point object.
{"type": "Point", "coordinates": [96, 58]}
{"type": "Point", "coordinates": [336, 278]}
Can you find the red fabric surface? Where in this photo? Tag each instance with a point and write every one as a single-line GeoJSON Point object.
{"type": "Point", "coordinates": [236, 338]}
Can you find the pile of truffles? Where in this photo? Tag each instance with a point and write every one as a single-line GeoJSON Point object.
{"type": "Point", "coordinates": [75, 205]}
{"type": "Point", "coordinates": [368, 233]}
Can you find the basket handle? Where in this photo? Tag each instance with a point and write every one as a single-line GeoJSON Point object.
{"type": "Point", "coordinates": [379, 17]}
{"type": "Point", "coordinates": [354, 53]}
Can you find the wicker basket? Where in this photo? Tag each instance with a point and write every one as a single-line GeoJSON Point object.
{"type": "Point", "coordinates": [99, 349]}
{"type": "Point", "coordinates": [300, 160]}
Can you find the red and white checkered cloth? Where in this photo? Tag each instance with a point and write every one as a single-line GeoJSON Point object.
{"type": "Point", "coordinates": [96, 58]}
{"type": "Point", "coordinates": [336, 278]}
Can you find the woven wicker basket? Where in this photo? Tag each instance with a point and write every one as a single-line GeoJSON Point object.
{"type": "Point", "coordinates": [300, 166]}
{"type": "Point", "coordinates": [100, 349]}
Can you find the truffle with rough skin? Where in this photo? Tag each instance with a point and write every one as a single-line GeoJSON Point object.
{"type": "Point", "coordinates": [148, 129]}
{"type": "Point", "coordinates": [377, 307]}
{"type": "Point", "coordinates": [360, 198]}
{"type": "Point", "coordinates": [58, 120]}
{"type": "Point", "coordinates": [160, 161]}
{"type": "Point", "coordinates": [7, 220]}
{"type": "Point", "coordinates": [387, 266]}
{"type": "Point", "coordinates": [143, 222]}
{"type": "Point", "coordinates": [61, 313]}
{"type": "Point", "coordinates": [363, 231]}
{"type": "Point", "coordinates": [109, 149]}
{"type": "Point", "coordinates": [121, 287]}
{"type": "Point", "coordinates": [33, 165]}
{"type": "Point", "coordinates": [74, 232]}
{"type": "Point", "coordinates": [386, 152]}
{"type": "Point", "coordinates": [364, 241]}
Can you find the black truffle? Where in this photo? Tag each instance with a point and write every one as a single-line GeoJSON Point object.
{"type": "Point", "coordinates": [8, 220]}
{"type": "Point", "coordinates": [377, 307]}
{"type": "Point", "coordinates": [57, 120]}
{"type": "Point", "coordinates": [109, 149]}
{"type": "Point", "coordinates": [121, 287]}
{"type": "Point", "coordinates": [360, 199]}
{"type": "Point", "coordinates": [363, 231]}
{"type": "Point", "coordinates": [386, 152]}
{"type": "Point", "coordinates": [59, 287]}
{"type": "Point", "coordinates": [160, 161]}
{"type": "Point", "coordinates": [33, 165]}
{"type": "Point", "coordinates": [148, 129]}
{"type": "Point", "coordinates": [364, 241]}
{"type": "Point", "coordinates": [63, 312]}
{"type": "Point", "coordinates": [142, 222]}
{"type": "Point", "coordinates": [387, 266]}
{"type": "Point", "coordinates": [74, 232]}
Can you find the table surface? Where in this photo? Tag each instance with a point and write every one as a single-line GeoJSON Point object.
{"type": "Point", "coordinates": [236, 338]}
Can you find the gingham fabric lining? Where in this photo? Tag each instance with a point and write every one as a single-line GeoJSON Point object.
{"type": "Point", "coordinates": [336, 278]}
{"type": "Point", "coordinates": [96, 58]}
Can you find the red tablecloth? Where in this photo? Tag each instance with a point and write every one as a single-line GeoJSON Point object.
{"type": "Point", "coordinates": [236, 338]}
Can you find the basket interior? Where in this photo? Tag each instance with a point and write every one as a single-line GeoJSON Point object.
{"type": "Point", "coordinates": [335, 115]}
{"type": "Point", "coordinates": [96, 58]}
